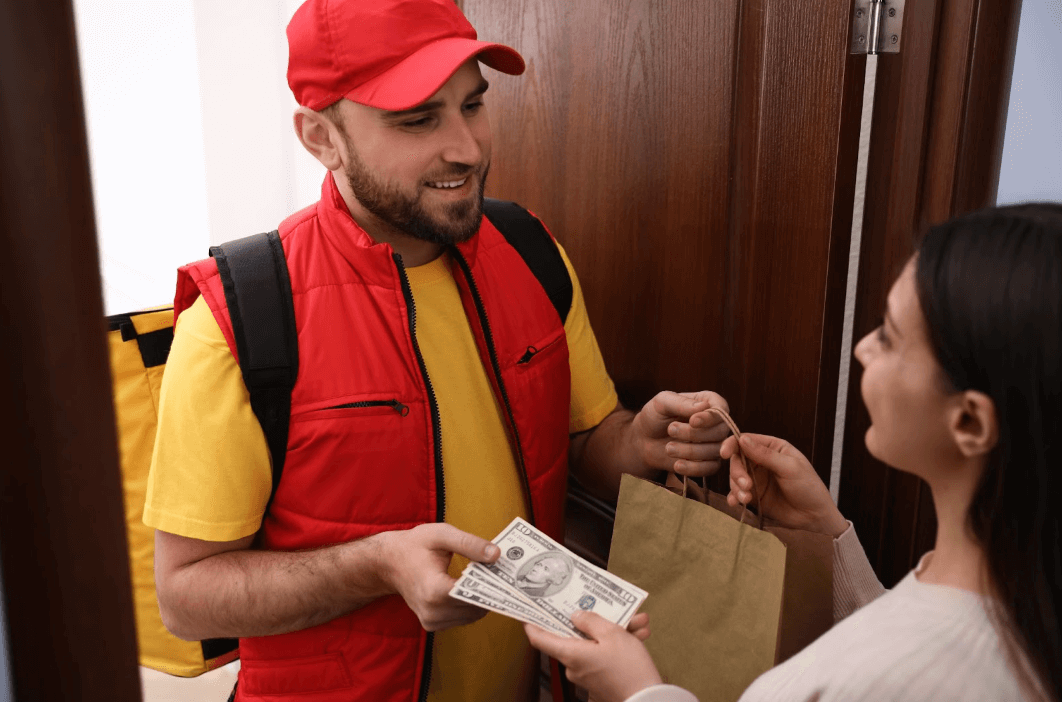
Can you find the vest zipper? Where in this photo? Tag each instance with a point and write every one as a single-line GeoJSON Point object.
{"type": "Point", "coordinates": [528, 355]}
{"type": "Point", "coordinates": [440, 487]}
{"type": "Point", "coordinates": [485, 323]}
{"type": "Point", "coordinates": [393, 404]}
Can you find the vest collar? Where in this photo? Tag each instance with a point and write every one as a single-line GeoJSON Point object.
{"type": "Point", "coordinates": [340, 228]}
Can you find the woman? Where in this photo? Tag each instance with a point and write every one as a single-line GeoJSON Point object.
{"type": "Point", "coordinates": [963, 384]}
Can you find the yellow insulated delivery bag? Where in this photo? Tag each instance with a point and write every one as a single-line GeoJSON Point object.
{"type": "Point", "coordinates": [139, 344]}
{"type": "Point", "coordinates": [258, 295]}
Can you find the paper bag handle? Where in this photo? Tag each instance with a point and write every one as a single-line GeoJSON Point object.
{"type": "Point", "coordinates": [749, 464]}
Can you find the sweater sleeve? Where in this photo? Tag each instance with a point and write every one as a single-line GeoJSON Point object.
{"type": "Point", "coordinates": [854, 581]}
{"type": "Point", "coordinates": [663, 693]}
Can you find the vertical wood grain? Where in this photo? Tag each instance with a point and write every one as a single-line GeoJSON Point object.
{"type": "Point", "coordinates": [67, 591]}
{"type": "Point", "coordinates": [939, 118]}
{"type": "Point", "coordinates": [696, 160]}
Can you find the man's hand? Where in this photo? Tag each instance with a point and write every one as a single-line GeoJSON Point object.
{"type": "Point", "coordinates": [209, 590]}
{"type": "Point", "coordinates": [788, 489]}
{"type": "Point", "coordinates": [674, 432]}
{"type": "Point", "coordinates": [415, 564]}
{"type": "Point", "coordinates": [612, 666]}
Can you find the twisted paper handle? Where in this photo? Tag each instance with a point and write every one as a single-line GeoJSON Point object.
{"type": "Point", "coordinates": [749, 465]}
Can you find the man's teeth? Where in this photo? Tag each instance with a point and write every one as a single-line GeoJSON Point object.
{"type": "Point", "coordinates": [449, 183]}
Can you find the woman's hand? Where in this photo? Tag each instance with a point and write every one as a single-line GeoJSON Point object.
{"type": "Point", "coordinates": [794, 494]}
{"type": "Point", "coordinates": [612, 666]}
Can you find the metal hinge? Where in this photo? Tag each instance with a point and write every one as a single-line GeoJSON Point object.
{"type": "Point", "coordinates": [876, 26]}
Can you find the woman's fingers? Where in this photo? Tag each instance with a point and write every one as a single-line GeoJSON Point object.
{"type": "Point", "coordinates": [766, 454]}
{"type": "Point", "coordinates": [729, 447]}
{"type": "Point", "coordinates": [738, 494]}
{"type": "Point", "coordinates": [638, 621]}
{"type": "Point", "coordinates": [639, 626]}
{"type": "Point", "coordinates": [594, 625]}
{"type": "Point", "coordinates": [552, 645]}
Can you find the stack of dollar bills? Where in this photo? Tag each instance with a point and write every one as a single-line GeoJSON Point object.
{"type": "Point", "coordinates": [537, 580]}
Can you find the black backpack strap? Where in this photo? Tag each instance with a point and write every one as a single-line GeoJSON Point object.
{"type": "Point", "coordinates": [526, 234]}
{"type": "Point", "coordinates": [254, 274]}
{"type": "Point", "coordinates": [154, 346]}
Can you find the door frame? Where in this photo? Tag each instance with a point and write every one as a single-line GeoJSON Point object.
{"type": "Point", "coordinates": [936, 146]}
{"type": "Point", "coordinates": [66, 586]}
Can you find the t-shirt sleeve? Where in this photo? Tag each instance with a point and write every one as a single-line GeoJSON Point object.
{"type": "Point", "coordinates": [210, 473]}
{"type": "Point", "coordinates": [593, 393]}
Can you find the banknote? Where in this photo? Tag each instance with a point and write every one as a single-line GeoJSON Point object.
{"type": "Point", "coordinates": [556, 580]}
{"type": "Point", "coordinates": [484, 594]}
{"type": "Point", "coordinates": [500, 589]}
{"type": "Point", "coordinates": [504, 595]}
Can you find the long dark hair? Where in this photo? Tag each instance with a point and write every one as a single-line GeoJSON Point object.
{"type": "Point", "coordinates": [990, 286]}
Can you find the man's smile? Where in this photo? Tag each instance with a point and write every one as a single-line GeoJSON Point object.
{"type": "Point", "coordinates": [448, 184]}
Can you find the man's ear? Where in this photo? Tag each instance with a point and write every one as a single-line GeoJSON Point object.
{"type": "Point", "coordinates": [973, 424]}
{"type": "Point", "coordinates": [319, 136]}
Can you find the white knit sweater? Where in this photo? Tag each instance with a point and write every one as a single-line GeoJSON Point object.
{"type": "Point", "coordinates": [915, 642]}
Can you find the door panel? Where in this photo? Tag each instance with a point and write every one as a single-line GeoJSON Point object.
{"type": "Point", "coordinates": [939, 118]}
{"type": "Point", "coordinates": [697, 162]}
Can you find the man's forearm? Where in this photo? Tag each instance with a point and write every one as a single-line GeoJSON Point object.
{"type": "Point", "coordinates": [259, 593]}
{"type": "Point", "coordinates": [600, 456]}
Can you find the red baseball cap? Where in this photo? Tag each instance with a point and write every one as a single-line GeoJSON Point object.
{"type": "Point", "coordinates": [389, 54]}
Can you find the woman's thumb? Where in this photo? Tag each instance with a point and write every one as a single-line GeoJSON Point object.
{"type": "Point", "coordinates": [761, 455]}
{"type": "Point", "coordinates": [593, 624]}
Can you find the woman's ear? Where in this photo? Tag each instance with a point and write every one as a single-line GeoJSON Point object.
{"type": "Point", "coordinates": [973, 424]}
{"type": "Point", "coordinates": [319, 136]}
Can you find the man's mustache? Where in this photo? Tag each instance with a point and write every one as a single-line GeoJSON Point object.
{"type": "Point", "coordinates": [454, 175]}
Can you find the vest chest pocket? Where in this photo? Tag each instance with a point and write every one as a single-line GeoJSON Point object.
{"type": "Point", "coordinates": [537, 354]}
{"type": "Point", "coordinates": [371, 424]}
{"type": "Point", "coordinates": [362, 408]}
{"type": "Point", "coordinates": [362, 461]}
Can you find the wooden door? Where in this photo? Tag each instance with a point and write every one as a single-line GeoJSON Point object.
{"type": "Point", "coordinates": [935, 151]}
{"type": "Point", "coordinates": [697, 161]}
{"type": "Point", "coordinates": [66, 587]}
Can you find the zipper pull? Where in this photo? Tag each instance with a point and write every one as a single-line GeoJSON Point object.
{"type": "Point", "coordinates": [528, 355]}
{"type": "Point", "coordinates": [398, 407]}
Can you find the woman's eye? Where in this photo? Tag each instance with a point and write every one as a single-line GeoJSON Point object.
{"type": "Point", "coordinates": [883, 338]}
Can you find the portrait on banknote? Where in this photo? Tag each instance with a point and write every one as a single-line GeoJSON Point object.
{"type": "Point", "coordinates": [545, 574]}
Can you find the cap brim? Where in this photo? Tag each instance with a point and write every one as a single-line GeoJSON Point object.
{"type": "Point", "coordinates": [420, 75]}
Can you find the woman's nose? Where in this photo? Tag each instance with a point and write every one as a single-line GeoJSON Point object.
{"type": "Point", "coordinates": [863, 349]}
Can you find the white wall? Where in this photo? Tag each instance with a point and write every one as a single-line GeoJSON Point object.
{"type": "Point", "coordinates": [1032, 148]}
{"type": "Point", "coordinates": [190, 137]}
{"type": "Point", "coordinates": [257, 171]}
{"type": "Point", "coordinates": [143, 112]}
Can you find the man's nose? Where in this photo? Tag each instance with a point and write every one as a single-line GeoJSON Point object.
{"type": "Point", "coordinates": [461, 144]}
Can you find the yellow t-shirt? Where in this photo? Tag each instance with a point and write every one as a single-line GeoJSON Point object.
{"type": "Point", "coordinates": [210, 476]}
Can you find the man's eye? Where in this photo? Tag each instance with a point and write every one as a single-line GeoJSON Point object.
{"type": "Point", "coordinates": [473, 106]}
{"type": "Point", "coordinates": [422, 122]}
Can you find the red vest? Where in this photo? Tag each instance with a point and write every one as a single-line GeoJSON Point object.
{"type": "Point", "coordinates": [358, 463]}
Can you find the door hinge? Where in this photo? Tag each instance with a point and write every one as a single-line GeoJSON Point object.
{"type": "Point", "coordinates": [876, 26]}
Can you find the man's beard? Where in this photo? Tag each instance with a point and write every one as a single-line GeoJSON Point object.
{"type": "Point", "coordinates": [458, 222]}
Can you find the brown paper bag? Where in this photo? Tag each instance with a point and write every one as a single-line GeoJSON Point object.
{"type": "Point", "coordinates": [727, 599]}
{"type": "Point", "coordinates": [807, 599]}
